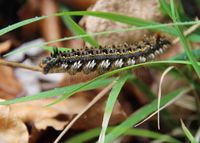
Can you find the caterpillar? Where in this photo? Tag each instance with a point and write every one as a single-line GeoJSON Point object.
{"type": "Point", "coordinates": [104, 58]}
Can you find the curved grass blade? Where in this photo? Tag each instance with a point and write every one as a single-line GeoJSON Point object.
{"type": "Point", "coordinates": [86, 35]}
{"type": "Point", "coordinates": [119, 18]}
{"type": "Point", "coordinates": [107, 15]}
{"type": "Point", "coordinates": [150, 27]}
{"type": "Point", "coordinates": [59, 91]}
{"type": "Point", "coordinates": [110, 105]}
{"type": "Point", "coordinates": [76, 29]}
{"type": "Point", "coordinates": [165, 7]}
{"type": "Point", "coordinates": [143, 113]}
{"type": "Point", "coordinates": [65, 96]}
{"type": "Point", "coordinates": [80, 87]}
{"type": "Point", "coordinates": [183, 40]}
{"type": "Point", "coordinates": [20, 24]}
{"type": "Point", "coordinates": [88, 135]}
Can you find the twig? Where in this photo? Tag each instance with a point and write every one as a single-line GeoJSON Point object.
{"type": "Point", "coordinates": [18, 65]}
{"type": "Point", "coordinates": [97, 98]}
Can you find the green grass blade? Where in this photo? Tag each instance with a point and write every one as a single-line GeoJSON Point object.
{"type": "Point", "coordinates": [151, 27]}
{"type": "Point", "coordinates": [187, 133]}
{"type": "Point", "coordinates": [150, 134]}
{"type": "Point", "coordinates": [119, 18]}
{"type": "Point", "coordinates": [20, 24]}
{"type": "Point", "coordinates": [59, 91]}
{"type": "Point", "coordinates": [108, 74]}
{"type": "Point", "coordinates": [76, 29]}
{"type": "Point", "coordinates": [165, 6]}
{"type": "Point", "coordinates": [142, 113]}
{"type": "Point", "coordinates": [88, 135]}
{"type": "Point", "coordinates": [86, 35]}
{"type": "Point", "coordinates": [100, 79]}
{"type": "Point", "coordinates": [183, 40]}
{"type": "Point", "coordinates": [77, 89]}
{"type": "Point", "coordinates": [106, 15]}
{"type": "Point", "coordinates": [110, 105]}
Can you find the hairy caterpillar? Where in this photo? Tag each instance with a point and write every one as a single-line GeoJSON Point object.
{"type": "Point", "coordinates": [104, 58]}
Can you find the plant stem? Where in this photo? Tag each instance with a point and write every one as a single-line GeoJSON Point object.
{"type": "Point", "coordinates": [18, 65]}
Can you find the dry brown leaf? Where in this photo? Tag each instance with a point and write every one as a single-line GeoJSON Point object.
{"type": "Point", "coordinates": [9, 86]}
{"type": "Point", "coordinates": [12, 129]}
{"type": "Point", "coordinates": [41, 117]}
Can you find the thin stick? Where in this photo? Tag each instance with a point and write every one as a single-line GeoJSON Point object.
{"type": "Point", "coordinates": [18, 65]}
{"type": "Point", "coordinates": [97, 98]}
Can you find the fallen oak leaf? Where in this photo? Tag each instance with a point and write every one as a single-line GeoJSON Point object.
{"type": "Point", "coordinates": [39, 117]}
{"type": "Point", "coordinates": [12, 129]}
{"type": "Point", "coordinates": [36, 114]}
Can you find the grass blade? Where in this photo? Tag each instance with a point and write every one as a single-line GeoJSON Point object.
{"type": "Point", "coordinates": [59, 91]}
{"type": "Point", "coordinates": [20, 24]}
{"type": "Point", "coordinates": [110, 105]}
{"type": "Point", "coordinates": [165, 7]}
{"type": "Point", "coordinates": [76, 29]}
{"type": "Point", "coordinates": [119, 18]}
{"type": "Point", "coordinates": [88, 135]}
{"type": "Point", "coordinates": [142, 114]}
{"type": "Point", "coordinates": [76, 88]}
{"type": "Point", "coordinates": [183, 40]}
{"type": "Point", "coordinates": [115, 17]}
